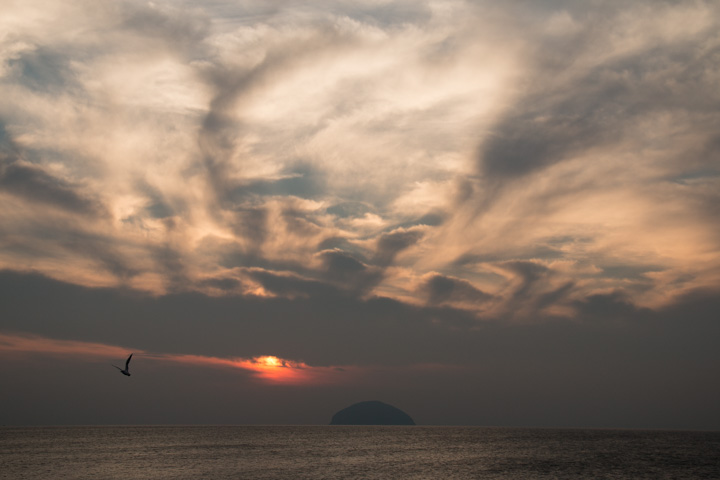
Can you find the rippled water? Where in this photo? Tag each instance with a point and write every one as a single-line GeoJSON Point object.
{"type": "Point", "coordinates": [299, 452]}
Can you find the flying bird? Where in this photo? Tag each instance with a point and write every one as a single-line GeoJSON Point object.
{"type": "Point", "coordinates": [127, 369]}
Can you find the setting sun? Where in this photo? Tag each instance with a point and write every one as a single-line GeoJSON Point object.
{"type": "Point", "coordinates": [270, 361]}
{"type": "Point", "coordinates": [274, 369]}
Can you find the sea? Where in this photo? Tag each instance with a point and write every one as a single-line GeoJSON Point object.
{"type": "Point", "coordinates": [337, 452]}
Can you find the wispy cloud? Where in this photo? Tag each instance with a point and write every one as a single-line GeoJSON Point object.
{"type": "Point", "coordinates": [469, 154]}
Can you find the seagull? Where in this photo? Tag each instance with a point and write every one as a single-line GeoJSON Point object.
{"type": "Point", "coordinates": [127, 363]}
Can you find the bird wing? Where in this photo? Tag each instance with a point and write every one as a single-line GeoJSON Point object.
{"type": "Point", "coordinates": [117, 367]}
{"type": "Point", "coordinates": [127, 362]}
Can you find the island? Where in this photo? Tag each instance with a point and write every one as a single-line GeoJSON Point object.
{"type": "Point", "coordinates": [371, 413]}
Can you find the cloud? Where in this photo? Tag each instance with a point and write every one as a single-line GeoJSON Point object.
{"type": "Point", "coordinates": [440, 289]}
{"type": "Point", "coordinates": [346, 270]}
{"type": "Point", "coordinates": [611, 352]}
{"type": "Point", "coordinates": [36, 185]}
{"type": "Point", "coordinates": [267, 368]}
{"type": "Point", "coordinates": [320, 326]}
{"type": "Point", "coordinates": [291, 286]}
{"type": "Point", "coordinates": [454, 163]}
{"type": "Point", "coordinates": [43, 70]}
{"type": "Point", "coordinates": [36, 344]}
{"type": "Point", "coordinates": [389, 245]}
{"type": "Point", "coordinates": [585, 98]}
{"type": "Point", "coordinates": [33, 183]}
{"type": "Point", "coordinates": [581, 150]}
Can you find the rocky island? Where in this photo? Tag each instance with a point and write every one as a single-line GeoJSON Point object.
{"type": "Point", "coordinates": [371, 413]}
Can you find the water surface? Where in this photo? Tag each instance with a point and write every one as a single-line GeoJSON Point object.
{"type": "Point", "coordinates": [312, 452]}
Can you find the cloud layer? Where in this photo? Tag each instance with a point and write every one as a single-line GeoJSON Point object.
{"type": "Point", "coordinates": [165, 148]}
{"type": "Point", "coordinates": [613, 365]}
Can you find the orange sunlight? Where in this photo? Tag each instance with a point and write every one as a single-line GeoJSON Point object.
{"type": "Point", "coordinates": [268, 368]}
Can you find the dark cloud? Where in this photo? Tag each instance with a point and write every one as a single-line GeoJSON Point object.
{"type": "Point", "coordinates": [530, 274]}
{"type": "Point", "coordinates": [632, 272]}
{"type": "Point", "coordinates": [157, 205]}
{"type": "Point", "coordinates": [159, 209]}
{"type": "Point", "coordinates": [169, 263]}
{"type": "Point", "coordinates": [300, 223]}
{"type": "Point", "coordinates": [9, 150]}
{"type": "Point", "coordinates": [555, 296]}
{"type": "Point", "coordinates": [51, 239]}
{"type": "Point", "coordinates": [234, 255]}
{"type": "Point", "coordinates": [614, 307]}
{"type": "Point", "coordinates": [530, 141]}
{"type": "Point", "coordinates": [439, 289]}
{"type": "Point", "coordinates": [433, 219]}
{"type": "Point", "coordinates": [250, 223]}
{"type": "Point", "coordinates": [291, 286]}
{"type": "Point", "coordinates": [390, 244]}
{"type": "Point", "coordinates": [547, 252]}
{"type": "Point", "coordinates": [325, 327]}
{"type": "Point", "coordinates": [641, 361]}
{"type": "Point", "coordinates": [552, 122]}
{"type": "Point", "coordinates": [224, 283]}
{"type": "Point", "coordinates": [344, 269]}
{"type": "Point", "coordinates": [35, 184]}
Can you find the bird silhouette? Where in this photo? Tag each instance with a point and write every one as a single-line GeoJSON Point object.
{"type": "Point", "coordinates": [127, 369]}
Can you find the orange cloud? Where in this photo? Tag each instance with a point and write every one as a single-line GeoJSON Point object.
{"type": "Point", "coordinates": [268, 368]}
{"type": "Point", "coordinates": [49, 346]}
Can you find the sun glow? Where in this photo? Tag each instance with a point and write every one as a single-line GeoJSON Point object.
{"type": "Point", "coordinates": [269, 361]}
{"type": "Point", "coordinates": [274, 369]}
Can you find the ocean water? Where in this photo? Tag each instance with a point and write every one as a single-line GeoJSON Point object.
{"type": "Point", "coordinates": [332, 452]}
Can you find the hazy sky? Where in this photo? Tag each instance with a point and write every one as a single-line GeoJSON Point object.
{"type": "Point", "coordinates": [481, 212]}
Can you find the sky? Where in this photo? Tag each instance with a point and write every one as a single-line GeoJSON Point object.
{"type": "Point", "coordinates": [501, 213]}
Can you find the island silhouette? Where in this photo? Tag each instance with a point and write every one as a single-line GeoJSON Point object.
{"type": "Point", "coordinates": [371, 413]}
